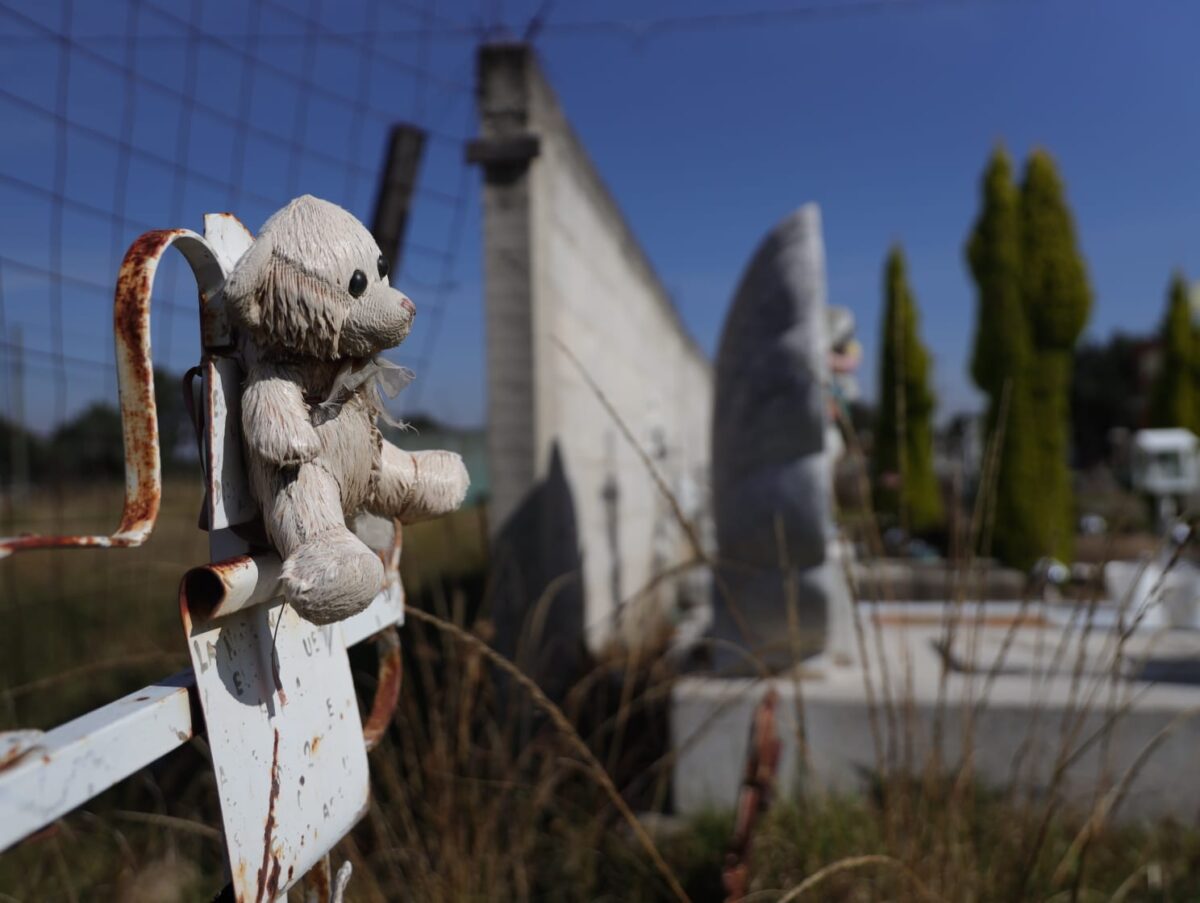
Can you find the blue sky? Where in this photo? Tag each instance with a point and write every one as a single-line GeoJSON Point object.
{"type": "Point", "coordinates": [706, 135]}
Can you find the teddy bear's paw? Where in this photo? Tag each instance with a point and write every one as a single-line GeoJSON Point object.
{"type": "Point", "coordinates": [287, 445]}
{"type": "Point", "coordinates": [331, 578]}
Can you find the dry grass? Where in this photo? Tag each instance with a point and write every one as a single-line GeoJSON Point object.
{"type": "Point", "coordinates": [110, 612]}
{"type": "Point", "coordinates": [486, 791]}
{"type": "Point", "coordinates": [81, 627]}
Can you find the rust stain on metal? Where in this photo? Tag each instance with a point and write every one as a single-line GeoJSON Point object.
{"type": "Point", "coordinates": [214, 590]}
{"type": "Point", "coordinates": [318, 880]}
{"type": "Point", "coordinates": [131, 325]}
{"type": "Point", "coordinates": [387, 692]}
{"type": "Point", "coordinates": [275, 666]}
{"type": "Point", "coordinates": [139, 422]}
{"type": "Point", "coordinates": [268, 876]}
{"type": "Point", "coordinates": [17, 754]}
{"type": "Point", "coordinates": [279, 687]}
{"type": "Point", "coordinates": [185, 608]}
{"type": "Point", "coordinates": [8, 545]}
{"type": "Point", "coordinates": [273, 881]}
{"type": "Point", "coordinates": [206, 588]}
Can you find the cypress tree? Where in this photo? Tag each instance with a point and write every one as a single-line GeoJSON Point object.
{"type": "Point", "coordinates": [1173, 397]}
{"type": "Point", "coordinates": [1057, 300]}
{"type": "Point", "coordinates": [906, 484]}
{"type": "Point", "coordinates": [993, 254]}
{"type": "Point", "coordinates": [1000, 365]}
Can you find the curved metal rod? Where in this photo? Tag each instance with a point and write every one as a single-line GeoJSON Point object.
{"type": "Point", "coordinates": [135, 383]}
{"type": "Point", "coordinates": [387, 691]}
{"type": "Point", "coordinates": [387, 645]}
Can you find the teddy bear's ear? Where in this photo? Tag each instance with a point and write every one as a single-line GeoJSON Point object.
{"type": "Point", "coordinates": [243, 288]}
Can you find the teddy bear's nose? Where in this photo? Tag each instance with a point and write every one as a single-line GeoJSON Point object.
{"type": "Point", "coordinates": [408, 305]}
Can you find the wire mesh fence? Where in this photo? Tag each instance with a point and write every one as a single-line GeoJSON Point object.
{"type": "Point", "coordinates": [136, 115]}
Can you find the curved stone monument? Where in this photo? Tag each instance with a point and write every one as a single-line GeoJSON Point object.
{"type": "Point", "coordinates": [772, 470]}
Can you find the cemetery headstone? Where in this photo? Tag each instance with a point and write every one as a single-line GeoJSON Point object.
{"type": "Point", "coordinates": [780, 592]}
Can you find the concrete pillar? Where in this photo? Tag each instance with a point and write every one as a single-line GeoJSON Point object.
{"type": "Point", "coordinates": [504, 152]}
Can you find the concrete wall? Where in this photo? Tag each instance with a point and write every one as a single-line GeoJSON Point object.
{"type": "Point", "coordinates": [562, 265]}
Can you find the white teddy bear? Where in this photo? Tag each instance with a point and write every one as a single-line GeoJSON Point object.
{"type": "Point", "coordinates": [314, 307]}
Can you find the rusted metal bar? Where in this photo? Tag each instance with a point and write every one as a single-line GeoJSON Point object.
{"type": "Point", "coordinates": [322, 886]}
{"type": "Point", "coordinates": [387, 691]}
{"type": "Point", "coordinates": [223, 587]}
{"type": "Point", "coordinates": [215, 590]}
{"type": "Point", "coordinates": [387, 644]}
{"type": "Point", "coordinates": [135, 381]}
{"type": "Point", "coordinates": [754, 796]}
{"type": "Point", "coordinates": [318, 883]}
{"type": "Point", "coordinates": [67, 766]}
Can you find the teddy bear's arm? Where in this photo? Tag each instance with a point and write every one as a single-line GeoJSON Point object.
{"type": "Point", "coordinates": [275, 420]}
{"type": "Point", "coordinates": [414, 486]}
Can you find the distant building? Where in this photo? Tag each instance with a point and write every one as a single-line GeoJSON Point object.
{"type": "Point", "coordinates": [1165, 464]}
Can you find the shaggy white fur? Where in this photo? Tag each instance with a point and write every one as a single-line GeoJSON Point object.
{"type": "Point", "coordinates": [313, 308]}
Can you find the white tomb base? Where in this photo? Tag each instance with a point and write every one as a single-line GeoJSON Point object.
{"type": "Point", "coordinates": [1009, 717]}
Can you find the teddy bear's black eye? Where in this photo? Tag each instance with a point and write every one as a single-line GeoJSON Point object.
{"type": "Point", "coordinates": [383, 267]}
{"type": "Point", "coordinates": [358, 283]}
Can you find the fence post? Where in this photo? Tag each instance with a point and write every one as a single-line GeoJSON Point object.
{"type": "Point", "coordinates": [406, 144]}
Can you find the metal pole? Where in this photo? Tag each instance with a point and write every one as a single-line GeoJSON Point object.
{"type": "Point", "coordinates": [394, 198]}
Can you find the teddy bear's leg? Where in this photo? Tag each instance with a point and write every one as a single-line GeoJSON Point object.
{"type": "Point", "coordinates": [414, 486]}
{"type": "Point", "coordinates": [328, 572]}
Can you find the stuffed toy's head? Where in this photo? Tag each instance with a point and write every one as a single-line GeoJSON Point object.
{"type": "Point", "coordinates": [314, 284]}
